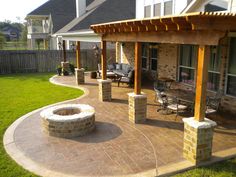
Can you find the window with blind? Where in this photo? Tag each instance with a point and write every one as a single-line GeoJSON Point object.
{"type": "Point", "coordinates": [231, 74]}
{"type": "Point", "coordinates": [168, 5]}
{"type": "Point", "coordinates": [157, 9]}
{"type": "Point", "coordinates": [214, 69]}
{"type": "Point", "coordinates": [153, 58]}
{"type": "Point", "coordinates": [147, 11]}
{"type": "Point", "coordinates": [188, 54]}
{"type": "Point", "coordinates": [144, 56]}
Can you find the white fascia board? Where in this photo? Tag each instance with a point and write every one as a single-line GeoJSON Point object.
{"type": "Point", "coordinates": [85, 36]}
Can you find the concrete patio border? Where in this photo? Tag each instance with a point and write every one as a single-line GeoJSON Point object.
{"type": "Point", "coordinates": [36, 168]}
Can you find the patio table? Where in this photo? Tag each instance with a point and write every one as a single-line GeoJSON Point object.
{"type": "Point", "coordinates": [182, 95]}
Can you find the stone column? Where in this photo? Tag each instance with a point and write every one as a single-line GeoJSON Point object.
{"type": "Point", "coordinates": [198, 140]}
{"type": "Point", "coordinates": [104, 87]}
{"type": "Point", "coordinates": [79, 74]}
{"type": "Point", "coordinates": [137, 107]}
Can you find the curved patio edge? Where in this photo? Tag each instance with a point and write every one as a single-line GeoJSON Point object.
{"type": "Point", "coordinates": [17, 155]}
{"type": "Point", "coordinates": [30, 165]}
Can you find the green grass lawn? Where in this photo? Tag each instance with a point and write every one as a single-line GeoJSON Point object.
{"type": "Point", "coordinates": [222, 169]}
{"type": "Point", "coordinates": [20, 94]}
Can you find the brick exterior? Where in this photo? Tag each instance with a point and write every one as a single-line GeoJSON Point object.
{"type": "Point", "coordinates": [137, 108]}
{"type": "Point", "coordinates": [167, 60]}
{"type": "Point", "coordinates": [168, 55]}
{"type": "Point", "coordinates": [104, 87]}
{"type": "Point", "coordinates": [79, 75]}
{"type": "Point", "coordinates": [197, 142]}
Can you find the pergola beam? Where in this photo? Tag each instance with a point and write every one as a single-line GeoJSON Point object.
{"type": "Point", "coordinates": [64, 50]}
{"type": "Point", "coordinates": [104, 60]}
{"type": "Point", "coordinates": [201, 88]}
{"type": "Point", "coordinates": [174, 37]}
{"type": "Point", "coordinates": [78, 55]}
{"type": "Point", "coordinates": [137, 65]}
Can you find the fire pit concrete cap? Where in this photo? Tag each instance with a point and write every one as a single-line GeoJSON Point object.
{"type": "Point", "coordinates": [85, 111]}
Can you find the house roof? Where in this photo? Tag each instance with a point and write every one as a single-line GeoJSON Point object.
{"type": "Point", "coordinates": [215, 5]}
{"type": "Point", "coordinates": [61, 11]}
{"type": "Point", "coordinates": [100, 11]}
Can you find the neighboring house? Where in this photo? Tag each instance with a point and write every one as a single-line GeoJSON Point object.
{"type": "Point", "coordinates": [95, 11]}
{"type": "Point", "coordinates": [47, 19]}
{"type": "Point", "coordinates": [11, 33]}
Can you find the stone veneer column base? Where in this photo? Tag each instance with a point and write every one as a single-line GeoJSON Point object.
{"type": "Point", "coordinates": [65, 66]}
{"type": "Point", "coordinates": [198, 140]}
{"type": "Point", "coordinates": [137, 108]}
{"type": "Point", "coordinates": [79, 75]}
{"type": "Point", "coordinates": [104, 87]}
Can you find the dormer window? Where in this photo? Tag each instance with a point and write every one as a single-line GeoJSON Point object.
{"type": "Point", "coordinates": [153, 8]}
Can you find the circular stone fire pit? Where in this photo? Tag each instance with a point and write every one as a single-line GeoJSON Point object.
{"type": "Point", "coordinates": [69, 120]}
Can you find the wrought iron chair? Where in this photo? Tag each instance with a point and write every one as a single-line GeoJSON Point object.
{"type": "Point", "coordinates": [213, 103]}
{"type": "Point", "coordinates": [160, 98]}
{"type": "Point", "coordinates": [212, 106]}
{"type": "Point", "coordinates": [175, 105]}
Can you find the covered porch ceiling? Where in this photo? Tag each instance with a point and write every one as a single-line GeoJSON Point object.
{"type": "Point", "coordinates": [204, 28]}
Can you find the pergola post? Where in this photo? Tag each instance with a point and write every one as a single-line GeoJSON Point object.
{"type": "Point", "coordinates": [79, 72]}
{"type": "Point", "coordinates": [137, 100]}
{"type": "Point", "coordinates": [198, 131]}
{"type": "Point", "coordinates": [104, 84]}
{"type": "Point", "coordinates": [65, 64]}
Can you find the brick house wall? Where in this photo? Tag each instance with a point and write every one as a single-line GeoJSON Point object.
{"type": "Point", "coordinates": [168, 55]}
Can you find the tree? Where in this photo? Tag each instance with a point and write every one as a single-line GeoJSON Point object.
{"type": "Point", "coordinates": [2, 40]}
{"type": "Point", "coordinates": [24, 33]}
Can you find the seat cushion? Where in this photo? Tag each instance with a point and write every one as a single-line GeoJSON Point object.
{"type": "Point", "coordinates": [110, 67]}
{"type": "Point", "coordinates": [210, 111]}
{"type": "Point", "coordinates": [118, 66]}
{"type": "Point", "coordinates": [174, 107]}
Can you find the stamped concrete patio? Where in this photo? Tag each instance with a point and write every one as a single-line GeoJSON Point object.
{"type": "Point", "coordinates": [117, 147]}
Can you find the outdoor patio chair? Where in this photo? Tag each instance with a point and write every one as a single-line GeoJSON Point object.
{"type": "Point", "coordinates": [159, 85]}
{"type": "Point", "coordinates": [212, 105]}
{"type": "Point", "coordinates": [175, 105]}
{"type": "Point", "coordinates": [160, 98]}
{"type": "Point", "coordinates": [127, 79]}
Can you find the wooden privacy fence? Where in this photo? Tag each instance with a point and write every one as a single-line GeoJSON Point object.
{"type": "Point", "coordinates": [24, 61]}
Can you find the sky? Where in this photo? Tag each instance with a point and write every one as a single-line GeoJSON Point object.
{"type": "Point", "coordinates": [12, 9]}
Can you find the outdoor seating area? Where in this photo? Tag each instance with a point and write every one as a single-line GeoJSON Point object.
{"type": "Point", "coordinates": [172, 99]}
{"type": "Point", "coordinates": [116, 71]}
{"type": "Point", "coordinates": [144, 149]}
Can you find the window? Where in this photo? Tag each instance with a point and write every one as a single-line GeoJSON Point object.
{"type": "Point", "coordinates": [168, 7]}
{"type": "Point", "coordinates": [214, 70]}
{"type": "Point", "coordinates": [153, 52]}
{"type": "Point", "coordinates": [188, 54]}
{"type": "Point", "coordinates": [153, 8]}
{"type": "Point", "coordinates": [157, 9]}
{"type": "Point", "coordinates": [144, 56]}
{"type": "Point", "coordinates": [147, 11]}
{"type": "Point", "coordinates": [231, 75]}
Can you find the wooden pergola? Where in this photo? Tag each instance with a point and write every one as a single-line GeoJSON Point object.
{"type": "Point", "coordinates": [201, 29]}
